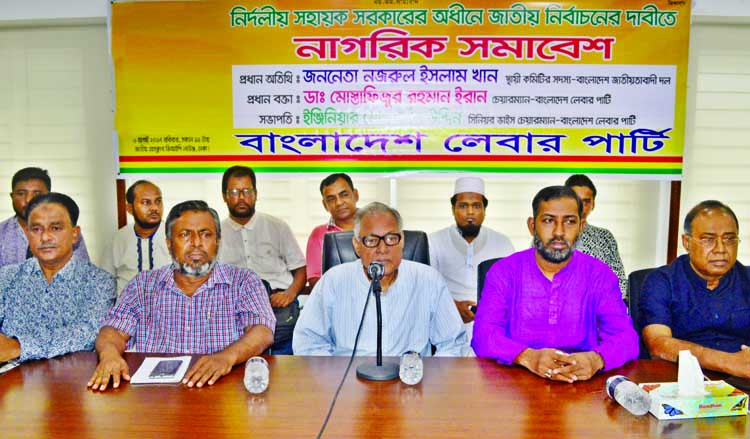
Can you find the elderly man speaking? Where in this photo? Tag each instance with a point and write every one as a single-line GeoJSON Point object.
{"type": "Point", "coordinates": [417, 307]}
{"type": "Point", "coordinates": [193, 306]}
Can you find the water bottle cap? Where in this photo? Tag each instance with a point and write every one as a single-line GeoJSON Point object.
{"type": "Point", "coordinates": [612, 382]}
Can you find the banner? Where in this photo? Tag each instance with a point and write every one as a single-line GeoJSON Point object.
{"type": "Point", "coordinates": [389, 86]}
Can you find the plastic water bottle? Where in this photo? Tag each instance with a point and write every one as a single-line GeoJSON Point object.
{"type": "Point", "coordinates": [256, 375]}
{"type": "Point", "coordinates": [627, 393]}
{"type": "Point", "coordinates": [410, 369]}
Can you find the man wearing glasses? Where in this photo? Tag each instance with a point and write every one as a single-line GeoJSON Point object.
{"type": "Point", "coordinates": [701, 301]}
{"type": "Point", "coordinates": [418, 309]}
{"type": "Point", "coordinates": [25, 185]}
{"type": "Point", "coordinates": [266, 245]}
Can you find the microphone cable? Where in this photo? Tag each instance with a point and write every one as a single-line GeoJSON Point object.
{"type": "Point", "coordinates": [348, 366]}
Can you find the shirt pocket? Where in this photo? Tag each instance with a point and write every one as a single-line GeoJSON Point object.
{"type": "Point", "coordinates": [267, 257]}
{"type": "Point", "coordinates": [740, 321]}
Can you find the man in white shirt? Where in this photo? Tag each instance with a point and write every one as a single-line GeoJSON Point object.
{"type": "Point", "coordinates": [143, 246]}
{"type": "Point", "coordinates": [416, 306]}
{"type": "Point", "coordinates": [266, 245]}
{"type": "Point", "coordinates": [456, 251]}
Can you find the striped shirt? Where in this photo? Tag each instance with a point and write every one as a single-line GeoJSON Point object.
{"type": "Point", "coordinates": [159, 317]}
{"type": "Point", "coordinates": [417, 311]}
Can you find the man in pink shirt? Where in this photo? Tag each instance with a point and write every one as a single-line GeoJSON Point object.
{"type": "Point", "coordinates": [340, 200]}
{"type": "Point", "coordinates": [552, 309]}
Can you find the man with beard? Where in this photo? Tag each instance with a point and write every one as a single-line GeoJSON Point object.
{"type": "Point", "coordinates": [552, 309]}
{"type": "Point", "coordinates": [142, 247]}
{"type": "Point", "coordinates": [14, 245]}
{"type": "Point", "coordinates": [266, 245]}
{"type": "Point", "coordinates": [340, 200]}
{"type": "Point", "coordinates": [51, 304]}
{"type": "Point", "coordinates": [456, 251]}
{"type": "Point", "coordinates": [194, 306]}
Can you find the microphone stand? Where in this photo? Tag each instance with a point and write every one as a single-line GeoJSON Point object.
{"type": "Point", "coordinates": [378, 371]}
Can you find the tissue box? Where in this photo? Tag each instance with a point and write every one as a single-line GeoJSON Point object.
{"type": "Point", "coordinates": [721, 400]}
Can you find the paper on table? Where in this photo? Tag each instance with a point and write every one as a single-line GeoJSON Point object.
{"type": "Point", "coordinates": [689, 376]}
{"type": "Point", "coordinates": [144, 373]}
{"type": "Point", "coordinates": [8, 365]}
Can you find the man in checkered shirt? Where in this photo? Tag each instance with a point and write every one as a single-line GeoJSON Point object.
{"type": "Point", "coordinates": [193, 306]}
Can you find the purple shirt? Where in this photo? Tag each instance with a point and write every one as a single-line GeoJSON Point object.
{"type": "Point", "coordinates": [159, 317]}
{"type": "Point", "coordinates": [14, 244]}
{"type": "Point", "coordinates": [580, 310]}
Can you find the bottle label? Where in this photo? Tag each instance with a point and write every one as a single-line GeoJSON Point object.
{"type": "Point", "coordinates": [612, 382]}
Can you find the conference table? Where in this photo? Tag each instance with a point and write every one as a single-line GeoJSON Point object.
{"type": "Point", "coordinates": [457, 398]}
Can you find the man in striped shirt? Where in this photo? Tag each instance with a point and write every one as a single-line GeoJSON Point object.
{"type": "Point", "coordinates": [418, 310]}
{"type": "Point", "coordinates": [194, 306]}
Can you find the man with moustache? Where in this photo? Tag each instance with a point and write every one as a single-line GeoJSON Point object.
{"type": "Point", "coordinates": [143, 246]}
{"type": "Point", "coordinates": [340, 200]}
{"type": "Point", "coordinates": [457, 251]}
{"type": "Point", "coordinates": [418, 311]}
{"type": "Point", "coordinates": [266, 245]}
{"type": "Point", "coordinates": [14, 245]}
{"type": "Point", "coordinates": [701, 301]}
{"type": "Point", "coordinates": [552, 309]}
{"type": "Point", "coordinates": [51, 304]}
{"type": "Point", "coordinates": [194, 306]}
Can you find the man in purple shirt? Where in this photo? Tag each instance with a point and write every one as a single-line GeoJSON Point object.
{"type": "Point", "coordinates": [194, 306]}
{"type": "Point", "coordinates": [14, 246]}
{"type": "Point", "coordinates": [552, 309]}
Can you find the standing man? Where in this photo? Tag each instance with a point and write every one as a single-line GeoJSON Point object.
{"type": "Point", "coordinates": [597, 241]}
{"type": "Point", "coordinates": [14, 246]}
{"type": "Point", "coordinates": [266, 245]}
{"type": "Point", "coordinates": [552, 309]}
{"type": "Point", "coordinates": [194, 306]}
{"type": "Point", "coordinates": [143, 246]}
{"type": "Point", "coordinates": [340, 200]}
{"type": "Point", "coordinates": [456, 251]}
{"type": "Point", "coordinates": [418, 312]}
{"type": "Point", "coordinates": [701, 301]}
{"type": "Point", "coordinates": [51, 304]}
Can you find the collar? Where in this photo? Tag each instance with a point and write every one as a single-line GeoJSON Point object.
{"type": "Point", "coordinates": [31, 266]}
{"type": "Point", "coordinates": [219, 275]}
{"type": "Point", "coordinates": [234, 225]}
{"type": "Point", "coordinates": [701, 283]}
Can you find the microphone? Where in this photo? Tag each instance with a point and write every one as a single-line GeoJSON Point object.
{"type": "Point", "coordinates": [376, 270]}
{"type": "Point", "coordinates": [379, 371]}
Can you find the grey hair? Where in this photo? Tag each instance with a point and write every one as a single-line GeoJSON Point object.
{"type": "Point", "coordinates": [375, 208]}
{"type": "Point", "coordinates": [192, 205]}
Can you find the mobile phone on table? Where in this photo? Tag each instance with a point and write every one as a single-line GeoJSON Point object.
{"type": "Point", "coordinates": [165, 369]}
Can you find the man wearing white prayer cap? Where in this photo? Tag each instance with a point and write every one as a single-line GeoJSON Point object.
{"type": "Point", "coordinates": [457, 250]}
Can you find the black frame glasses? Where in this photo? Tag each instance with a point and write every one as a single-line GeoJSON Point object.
{"type": "Point", "coordinates": [372, 241]}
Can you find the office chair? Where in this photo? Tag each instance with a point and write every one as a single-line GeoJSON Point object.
{"type": "Point", "coordinates": [635, 281]}
{"type": "Point", "coordinates": [338, 248]}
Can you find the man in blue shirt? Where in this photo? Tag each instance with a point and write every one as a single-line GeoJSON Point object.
{"type": "Point", "coordinates": [701, 302]}
{"type": "Point", "coordinates": [51, 304]}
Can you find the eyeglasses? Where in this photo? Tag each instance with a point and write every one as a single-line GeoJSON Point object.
{"type": "Point", "coordinates": [711, 241]}
{"type": "Point", "coordinates": [372, 241]}
{"type": "Point", "coordinates": [235, 193]}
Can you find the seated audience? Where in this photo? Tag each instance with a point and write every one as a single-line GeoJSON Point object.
{"type": "Point", "coordinates": [701, 301]}
{"type": "Point", "coordinates": [193, 306]}
{"type": "Point", "coordinates": [340, 200]}
{"type": "Point", "coordinates": [51, 304]}
{"type": "Point", "coordinates": [14, 245]}
{"type": "Point", "coordinates": [597, 241]}
{"type": "Point", "coordinates": [142, 246]}
{"type": "Point", "coordinates": [457, 250]}
{"type": "Point", "coordinates": [417, 308]}
{"type": "Point", "coordinates": [552, 309]}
